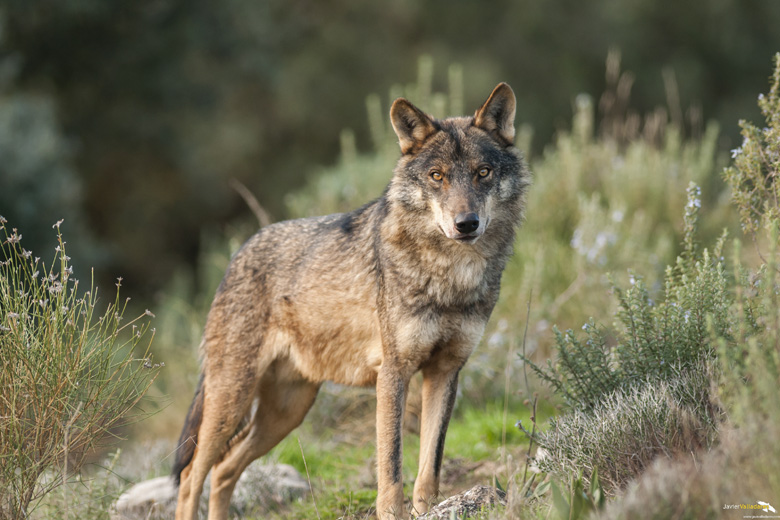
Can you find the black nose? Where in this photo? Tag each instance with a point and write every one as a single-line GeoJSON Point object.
{"type": "Point", "coordinates": [467, 222]}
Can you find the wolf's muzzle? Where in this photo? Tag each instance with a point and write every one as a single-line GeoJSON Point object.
{"type": "Point", "coordinates": [466, 222]}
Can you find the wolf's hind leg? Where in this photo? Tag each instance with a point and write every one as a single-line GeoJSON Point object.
{"type": "Point", "coordinates": [228, 395]}
{"type": "Point", "coordinates": [284, 398]}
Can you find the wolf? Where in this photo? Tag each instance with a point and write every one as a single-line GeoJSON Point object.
{"type": "Point", "coordinates": [405, 283]}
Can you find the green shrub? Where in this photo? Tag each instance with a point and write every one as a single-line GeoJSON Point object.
{"type": "Point", "coordinates": [652, 341]}
{"type": "Point", "coordinates": [748, 374]}
{"type": "Point", "coordinates": [751, 364]}
{"type": "Point", "coordinates": [70, 377]}
{"type": "Point", "coordinates": [753, 175]}
{"type": "Point", "coordinates": [642, 389]}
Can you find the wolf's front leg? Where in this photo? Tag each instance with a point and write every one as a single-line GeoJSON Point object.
{"type": "Point", "coordinates": [391, 387]}
{"type": "Point", "coordinates": [440, 385]}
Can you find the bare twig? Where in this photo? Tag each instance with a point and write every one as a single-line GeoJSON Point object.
{"type": "Point", "coordinates": [508, 373]}
{"type": "Point", "coordinates": [260, 213]}
{"type": "Point", "coordinates": [525, 335]}
{"type": "Point", "coordinates": [66, 446]}
{"type": "Point", "coordinates": [306, 467]}
{"type": "Point", "coordinates": [531, 437]}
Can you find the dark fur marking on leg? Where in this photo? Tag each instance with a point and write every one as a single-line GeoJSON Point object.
{"type": "Point", "coordinates": [445, 421]}
{"type": "Point", "coordinates": [398, 414]}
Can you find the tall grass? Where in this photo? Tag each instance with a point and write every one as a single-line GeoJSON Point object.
{"type": "Point", "coordinates": [69, 375]}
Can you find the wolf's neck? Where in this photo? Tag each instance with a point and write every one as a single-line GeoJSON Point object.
{"type": "Point", "coordinates": [430, 268]}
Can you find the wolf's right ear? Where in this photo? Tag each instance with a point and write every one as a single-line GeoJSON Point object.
{"type": "Point", "coordinates": [411, 125]}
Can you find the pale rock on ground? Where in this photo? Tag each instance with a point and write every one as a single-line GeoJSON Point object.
{"type": "Point", "coordinates": [259, 488]}
{"type": "Point", "coordinates": [470, 503]}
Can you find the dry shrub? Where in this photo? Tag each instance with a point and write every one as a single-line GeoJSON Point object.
{"type": "Point", "coordinates": [628, 430]}
{"type": "Point", "coordinates": [739, 471]}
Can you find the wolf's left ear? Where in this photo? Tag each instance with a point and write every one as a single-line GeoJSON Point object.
{"type": "Point", "coordinates": [411, 125]}
{"type": "Point", "coordinates": [497, 115]}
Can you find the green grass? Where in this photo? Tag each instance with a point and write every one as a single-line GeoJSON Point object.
{"type": "Point", "coordinates": [476, 433]}
{"type": "Point", "coordinates": [342, 472]}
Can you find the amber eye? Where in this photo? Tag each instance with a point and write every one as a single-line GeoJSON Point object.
{"type": "Point", "coordinates": [436, 175]}
{"type": "Point", "coordinates": [484, 171]}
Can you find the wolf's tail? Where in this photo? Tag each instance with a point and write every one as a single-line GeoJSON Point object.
{"type": "Point", "coordinates": [189, 434]}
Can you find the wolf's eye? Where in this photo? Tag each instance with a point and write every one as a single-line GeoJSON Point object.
{"type": "Point", "coordinates": [436, 175]}
{"type": "Point", "coordinates": [483, 171]}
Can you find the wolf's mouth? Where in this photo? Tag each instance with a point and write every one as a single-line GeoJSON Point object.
{"type": "Point", "coordinates": [467, 239]}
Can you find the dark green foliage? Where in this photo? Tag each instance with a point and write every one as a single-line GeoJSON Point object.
{"type": "Point", "coordinates": [38, 184]}
{"type": "Point", "coordinates": [583, 373]}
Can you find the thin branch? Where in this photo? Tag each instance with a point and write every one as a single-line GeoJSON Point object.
{"type": "Point", "coordinates": [306, 467]}
{"type": "Point", "coordinates": [260, 213]}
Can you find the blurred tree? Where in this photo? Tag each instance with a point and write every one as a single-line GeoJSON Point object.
{"type": "Point", "coordinates": [37, 183]}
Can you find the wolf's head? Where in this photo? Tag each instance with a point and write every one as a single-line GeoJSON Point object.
{"type": "Point", "coordinates": [464, 171]}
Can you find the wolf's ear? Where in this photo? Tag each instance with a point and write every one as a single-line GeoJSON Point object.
{"type": "Point", "coordinates": [497, 115]}
{"type": "Point", "coordinates": [411, 125]}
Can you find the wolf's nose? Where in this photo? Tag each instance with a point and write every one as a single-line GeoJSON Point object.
{"type": "Point", "coordinates": [467, 222]}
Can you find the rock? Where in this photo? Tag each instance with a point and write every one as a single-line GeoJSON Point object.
{"type": "Point", "coordinates": [259, 488]}
{"type": "Point", "coordinates": [155, 498]}
{"type": "Point", "coordinates": [471, 502]}
{"type": "Point", "coordinates": [265, 486]}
